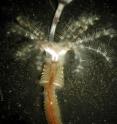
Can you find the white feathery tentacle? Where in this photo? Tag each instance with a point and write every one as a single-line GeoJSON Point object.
{"type": "Point", "coordinates": [57, 15]}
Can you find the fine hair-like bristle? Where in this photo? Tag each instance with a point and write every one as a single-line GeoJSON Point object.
{"type": "Point", "coordinates": [85, 40]}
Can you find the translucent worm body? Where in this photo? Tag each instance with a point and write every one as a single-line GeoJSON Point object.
{"type": "Point", "coordinates": [52, 110]}
{"type": "Point", "coordinates": [79, 36]}
{"type": "Point", "coordinates": [52, 78]}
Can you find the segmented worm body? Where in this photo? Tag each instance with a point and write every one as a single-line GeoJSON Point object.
{"type": "Point", "coordinates": [83, 39]}
{"type": "Point", "coordinates": [52, 78]}
{"type": "Point", "coordinates": [52, 110]}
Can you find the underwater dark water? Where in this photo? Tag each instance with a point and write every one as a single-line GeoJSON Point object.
{"type": "Point", "coordinates": [89, 97]}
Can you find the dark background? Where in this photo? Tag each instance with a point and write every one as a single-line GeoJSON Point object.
{"type": "Point", "coordinates": [22, 97]}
